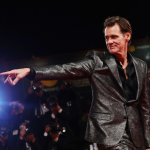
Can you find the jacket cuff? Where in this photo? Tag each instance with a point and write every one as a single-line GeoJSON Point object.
{"type": "Point", "coordinates": [31, 75]}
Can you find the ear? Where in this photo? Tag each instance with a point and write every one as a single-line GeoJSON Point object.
{"type": "Point", "coordinates": [128, 36]}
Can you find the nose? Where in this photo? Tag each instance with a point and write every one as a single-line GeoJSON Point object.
{"type": "Point", "coordinates": [109, 41]}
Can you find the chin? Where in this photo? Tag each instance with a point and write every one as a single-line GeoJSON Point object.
{"type": "Point", "coordinates": [113, 51]}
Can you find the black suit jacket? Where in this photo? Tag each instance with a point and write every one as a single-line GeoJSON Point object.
{"type": "Point", "coordinates": [109, 110]}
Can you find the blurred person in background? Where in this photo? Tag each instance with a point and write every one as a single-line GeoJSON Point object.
{"type": "Point", "coordinates": [58, 134]}
{"type": "Point", "coordinates": [68, 98]}
{"type": "Point", "coordinates": [16, 115]}
{"type": "Point", "coordinates": [35, 104]}
{"type": "Point", "coordinates": [35, 101]}
{"type": "Point", "coordinates": [27, 140]}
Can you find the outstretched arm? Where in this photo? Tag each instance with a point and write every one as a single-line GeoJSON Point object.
{"type": "Point", "coordinates": [78, 70]}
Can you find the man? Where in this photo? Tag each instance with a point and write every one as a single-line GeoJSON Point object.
{"type": "Point", "coordinates": [27, 141]}
{"type": "Point", "coordinates": [67, 98]}
{"type": "Point", "coordinates": [35, 107]}
{"type": "Point", "coordinates": [35, 101]}
{"type": "Point", "coordinates": [119, 117]}
{"type": "Point", "coordinates": [58, 133]}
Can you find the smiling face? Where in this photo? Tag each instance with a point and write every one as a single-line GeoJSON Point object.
{"type": "Point", "coordinates": [116, 41]}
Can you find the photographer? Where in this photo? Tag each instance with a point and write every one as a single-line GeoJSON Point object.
{"type": "Point", "coordinates": [16, 116]}
{"type": "Point", "coordinates": [58, 134]}
{"type": "Point", "coordinates": [36, 100]}
{"type": "Point", "coordinates": [68, 97]}
{"type": "Point", "coordinates": [17, 112]}
{"type": "Point", "coordinates": [26, 139]}
{"type": "Point", "coordinates": [35, 106]}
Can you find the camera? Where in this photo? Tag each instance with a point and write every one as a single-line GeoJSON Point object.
{"type": "Point", "coordinates": [52, 101]}
{"type": "Point", "coordinates": [29, 131]}
{"type": "Point", "coordinates": [54, 129]}
{"type": "Point", "coordinates": [68, 84]}
{"type": "Point", "coordinates": [4, 133]}
{"type": "Point", "coordinates": [36, 88]}
{"type": "Point", "coordinates": [28, 128]}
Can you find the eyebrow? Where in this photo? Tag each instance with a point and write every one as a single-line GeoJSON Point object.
{"type": "Point", "coordinates": [111, 35]}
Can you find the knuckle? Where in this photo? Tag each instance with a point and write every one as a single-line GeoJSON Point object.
{"type": "Point", "coordinates": [18, 77]}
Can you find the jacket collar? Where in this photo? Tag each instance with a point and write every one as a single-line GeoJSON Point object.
{"type": "Point", "coordinates": [112, 65]}
{"type": "Point", "coordinates": [138, 75]}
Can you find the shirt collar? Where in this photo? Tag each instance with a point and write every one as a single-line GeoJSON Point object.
{"type": "Point", "coordinates": [129, 58]}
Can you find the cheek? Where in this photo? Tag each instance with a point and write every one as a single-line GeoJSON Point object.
{"type": "Point", "coordinates": [120, 42]}
{"type": "Point", "coordinates": [117, 42]}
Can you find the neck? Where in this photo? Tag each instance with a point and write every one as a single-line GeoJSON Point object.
{"type": "Point", "coordinates": [122, 55]}
{"type": "Point", "coordinates": [122, 59]}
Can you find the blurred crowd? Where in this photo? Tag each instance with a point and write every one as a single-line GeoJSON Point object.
{"type": "Point", "coordinates": [45, 122]}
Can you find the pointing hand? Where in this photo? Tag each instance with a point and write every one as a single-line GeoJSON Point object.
{"type": "Point", "coordinates": [17, 74]}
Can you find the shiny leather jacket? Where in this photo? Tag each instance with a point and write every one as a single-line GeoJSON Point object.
{"type": "Point", "coordinates": [109, 110]}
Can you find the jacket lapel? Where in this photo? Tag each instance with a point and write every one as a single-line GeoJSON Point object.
{"type": "Point", "coordinates": [111, 63]}
{"type": "Point", "coordinates": [138, 75]}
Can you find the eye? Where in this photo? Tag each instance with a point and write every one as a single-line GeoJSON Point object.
{"type": "Point", "coordinates": [106, 38]}
{"type": "Point", "coordinates": [114, 36]}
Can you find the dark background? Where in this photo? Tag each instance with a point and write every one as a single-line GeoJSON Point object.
{"type": "Point", "coordinates": [33, 29]}
{"type": "Point", "coordinates": [60, 31]}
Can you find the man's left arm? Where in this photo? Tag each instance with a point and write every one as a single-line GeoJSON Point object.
{"type": "Point", "coordinates": [145, 110]}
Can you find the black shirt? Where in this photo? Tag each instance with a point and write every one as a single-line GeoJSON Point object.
{"type": "Point", "coordinates": [130, 85]}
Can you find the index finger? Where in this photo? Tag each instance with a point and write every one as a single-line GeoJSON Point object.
{"type": "Point", "coordinates": [6, 73]}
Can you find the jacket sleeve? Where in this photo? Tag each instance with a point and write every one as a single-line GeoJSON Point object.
{"type": "Point", "coordinates": [145, 110]}
{"type": "Point", "coordinates": [78, 70]}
